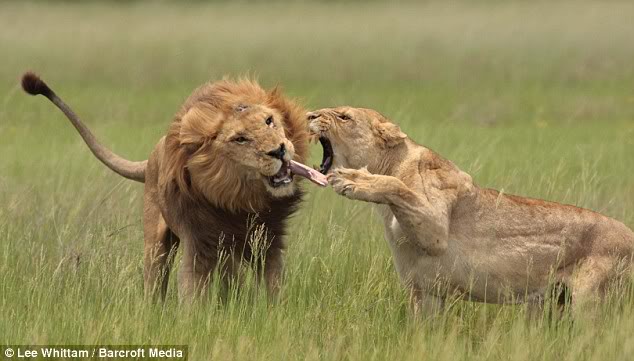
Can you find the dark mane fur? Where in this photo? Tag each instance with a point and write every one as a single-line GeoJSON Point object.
{"type": "Point", "coordinates": [217, 229]}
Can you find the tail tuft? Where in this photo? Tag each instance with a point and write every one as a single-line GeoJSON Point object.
{"type": "Point", "coordinates": [32, 84]}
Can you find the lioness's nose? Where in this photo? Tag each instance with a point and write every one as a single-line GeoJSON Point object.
{"type": "Point", "coordinates": [278, 153]}
{"type": "Point", "coordinates": [313, 115]}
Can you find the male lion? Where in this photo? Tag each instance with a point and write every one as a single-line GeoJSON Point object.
{"type": "Point", "coordinates": [220, 179]}
{"type": "Point", "coordinates": [444, 230]}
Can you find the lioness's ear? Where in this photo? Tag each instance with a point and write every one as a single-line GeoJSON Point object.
{"type": "Point", "coordinates": [198, 125]}
{"type": "Point", "coordinates": [390, 133]}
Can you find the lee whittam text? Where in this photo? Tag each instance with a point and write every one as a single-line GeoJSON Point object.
{"type": "Point", "coordinates": [178, 352]}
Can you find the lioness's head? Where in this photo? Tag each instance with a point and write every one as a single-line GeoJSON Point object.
{"type": "Point", "coordinates": [353, 137]}
{"type": "Point", "coordinates": [233, 142]}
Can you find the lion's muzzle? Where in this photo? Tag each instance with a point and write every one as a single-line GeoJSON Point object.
{"type": "Point", "coordinates": [278, 153]}
{"type": "Point", "coordinates": [283, 176]}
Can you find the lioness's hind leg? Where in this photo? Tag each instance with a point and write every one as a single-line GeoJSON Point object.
{"type": "Point", "coordinates": [589, 283]}
{"type": "Point", "coordinates": [552, 304]}
{"type": "Point", "coordinates": [160, 248]}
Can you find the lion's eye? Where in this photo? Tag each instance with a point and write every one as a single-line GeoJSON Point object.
{"type": "Point", "coordinates": [240, 140]}
{"type": "Point", "coordinates": [269, 120]}
{"type": "Point", "coordinates": [343, 117]}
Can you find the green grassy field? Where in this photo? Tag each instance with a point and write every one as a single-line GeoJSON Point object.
{"type": "Point", "coordinates": [536, 99]}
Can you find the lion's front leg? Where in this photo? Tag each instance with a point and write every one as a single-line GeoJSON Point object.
{"type": "Point", "coordinates": [273, 272]}
{"type": "Point", "coordinates": [195, 273]}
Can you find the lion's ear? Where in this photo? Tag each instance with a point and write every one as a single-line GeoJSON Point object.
{"type": "Point", "coordinates": [390, 133]}
{"type": "Point", "coordinates": [197, 125]}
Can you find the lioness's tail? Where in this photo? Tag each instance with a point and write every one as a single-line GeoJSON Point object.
{"type": "Point", "coordinates": [33, 85]}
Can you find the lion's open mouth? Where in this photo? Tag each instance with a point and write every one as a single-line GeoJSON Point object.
{"type": "Point", "coordinates": [282, 177]}
{"type": "Point", "coordinates": [326, 161]}
{"type": "Point", "coordinates": [285, 175]}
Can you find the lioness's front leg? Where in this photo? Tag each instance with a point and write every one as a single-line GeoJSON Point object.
{"type": "Point", "coordinates": [361, 185]}
{"type": "Point", "coordinates": [421, 220]}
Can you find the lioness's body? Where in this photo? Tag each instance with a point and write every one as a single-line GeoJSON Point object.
{"type": "Point", "coordinates": [446, 232]}
{"type": "Point", "coordinates": [502, 247]}
{"type": "Point", "coordinates": [218, 184]}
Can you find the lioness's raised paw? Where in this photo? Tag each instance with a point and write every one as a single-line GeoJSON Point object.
{"type": "Point", "coordinates": [354, 184]}
{"type": "Point", "coordinates": [340, 183]}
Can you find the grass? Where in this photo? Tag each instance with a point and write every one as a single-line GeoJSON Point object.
{"type": "Point", "coordinates": [533, 98]}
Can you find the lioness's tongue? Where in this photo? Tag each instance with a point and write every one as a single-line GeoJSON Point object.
{"type": "Point", "coordinates": [308, 172]}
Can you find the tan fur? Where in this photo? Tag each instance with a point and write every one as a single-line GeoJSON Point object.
{"type": "Point", "coordinates": [198, 161]}
{"type": "Point", "coordinates": [450, 236]}
{"type": "Point", "coordinates": [224, 180]}
{"type": "Point", "coordinates": [207, 183]}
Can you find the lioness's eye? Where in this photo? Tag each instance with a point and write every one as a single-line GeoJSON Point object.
{"type": "Point", "coordinates": [269, 120]}
{"type": "Point", "coordinates": [240, 140]}
{"type": "Point", "coordinates": [344, 117]}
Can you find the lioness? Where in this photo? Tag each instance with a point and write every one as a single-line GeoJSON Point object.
{"type": "Point", "coordinates": [445, 230]}
{"type": "Point", "coordinates": [221, 178]}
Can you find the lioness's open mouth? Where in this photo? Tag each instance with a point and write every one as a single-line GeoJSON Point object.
{"type": "Point", "coordinates": [326, 161]}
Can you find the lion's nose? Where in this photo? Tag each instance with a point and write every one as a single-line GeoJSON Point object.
{"type": "Point", "coordinates": [313, 115]}
{"type": "Point", "coordinates": [278, 153]}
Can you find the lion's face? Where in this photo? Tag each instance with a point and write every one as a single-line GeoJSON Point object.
{"type": "Point", "coordinates": [235, 142]}
{"type": "Point", "coordinates": [250, 140]}
{"type": "Point", "coordinates": [253, 139]}
{"type": "Point", "coordinates": [352, 137]}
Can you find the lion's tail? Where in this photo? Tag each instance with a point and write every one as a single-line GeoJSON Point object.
{"type": "Point", "coordinates": [33, 85]}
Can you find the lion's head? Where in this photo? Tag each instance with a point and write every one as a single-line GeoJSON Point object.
{"type": "Point", "coordinates": [232, 142]}
{"type": "Point", "coordinates": [353, 137]}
